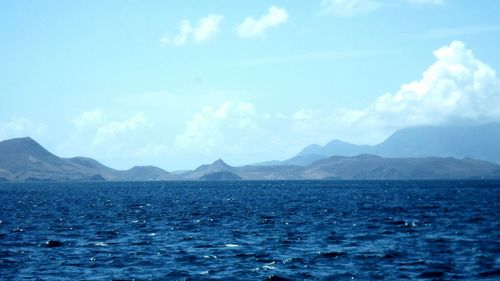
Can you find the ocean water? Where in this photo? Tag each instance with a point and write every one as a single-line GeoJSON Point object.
{"type": "Point", "coordinates": [276, 230]}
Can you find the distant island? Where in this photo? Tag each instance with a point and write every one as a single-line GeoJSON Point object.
{"type": "Point", "coordinates": [480, 142]}
{"type": "Point", "coordinates": [414, 153]}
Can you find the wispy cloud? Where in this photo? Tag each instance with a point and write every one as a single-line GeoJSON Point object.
{"type": "Point", "coordinates": [252, 27]}
{"type": "Point", "coordinates": [348, 8]}
{"type": "Point", "coordinates": [206, 28]}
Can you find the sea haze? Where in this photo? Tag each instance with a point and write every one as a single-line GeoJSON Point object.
{"type": "Point", "coordinates": [251, 230]}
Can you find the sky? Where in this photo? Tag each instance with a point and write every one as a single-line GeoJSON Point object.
{"type": "Point", "coordinates": [180, 83]}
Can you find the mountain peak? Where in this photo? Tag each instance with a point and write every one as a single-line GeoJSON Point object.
{"type": "Point", "coordinates": [336, 142]}
{"type": "Point", "coordinates": [24, 145]}
{"type": "Point", "coordinates": [218, 166]}
{"type": "Point", "coordinates": [478, 141]}
{"type": "Point", "coordinates": [21, 140]}
{"type": "Point", "coordinates": [220, 162]}
{"type": "Point", "coordinates": [148, 168]}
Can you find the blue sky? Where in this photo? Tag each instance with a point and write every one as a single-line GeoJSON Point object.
{"type": "Point", "coordinates": [180, 83]}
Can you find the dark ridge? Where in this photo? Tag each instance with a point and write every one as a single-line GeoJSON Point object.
{"type": "Point", "coordinates": [220, 176]}
{"type": "Point", "coordinates": [146, 172]}
{"type": "Point", "coordinates": [37, 179]}
{"type": "Point", "coordinates": [97, 178]}
{"type": "Point", "coordinates": [87, 162]}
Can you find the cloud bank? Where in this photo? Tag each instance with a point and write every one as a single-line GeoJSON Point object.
{"type": "Point", "coordinates": [456, 87]}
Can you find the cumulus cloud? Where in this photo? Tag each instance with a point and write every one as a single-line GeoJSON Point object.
{"type": "Point", "coordinates": [89, 118]}
{"type": "Point", "coordinates": [457, 87]}
{"type": "Point", "coordinates": [206, 28]}
{"type": "Point", "coordinates": [348, 8]}
{"type": "Point", "coordinates": [116, 141]}
{"type": "Point", "coordinates": [225, 126]}
{"type": "Point", "coordinates": [96, 126]}
{"type": "Point", "coordinates": [427, 2]}
{"type": "Point", "coordinates": [20, 127]}
{"type": "Point", "coordinates": [252, 27]}
{"type": "Point", "coordinates": [110, 130]}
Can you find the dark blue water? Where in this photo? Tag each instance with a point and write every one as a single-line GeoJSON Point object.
{"type": "Point", "coordinates": [359, 230]}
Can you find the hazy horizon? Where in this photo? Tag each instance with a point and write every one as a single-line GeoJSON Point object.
{"type": "Point", "coordinates": [177, 85]}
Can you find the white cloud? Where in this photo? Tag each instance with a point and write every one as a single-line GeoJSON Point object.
{"type": "Point", "coordinates": [303, 114]}
{"type": "Point", "coordinates": [110, 130]}
{"type": "Point", "coordinates": [348, 8]}
{"type": "Point", "coordinates": [117, 142]}
{"type": "Point", "coordinates": [20, 127]}
{"type": "Point", "coordinates": [457, 87]}
{"type": "Point", "coordinates": [95, 126]}
{"type": "Point", "coordinates": [206, 28]}
{"type": "Point", "coordinates": [185, 29]}
{"type": "Point", "coordinates": [89, 118]}
{"type": "Point", "coordinates": [224, 127]}
{"type": "Point", "coordinates": [427, 2]}
{"type": "Point", "coordinates": [252, 27]}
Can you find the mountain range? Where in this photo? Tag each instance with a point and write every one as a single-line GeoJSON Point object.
{"type": "Point", "coordinates": [413, 153]}
{"type": "Point", "coordinates": [23, 159]}
{"type": "Point", "coordinates": [474, 141]}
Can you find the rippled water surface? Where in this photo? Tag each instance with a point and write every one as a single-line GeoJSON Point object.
{"type": "Point", "coordinates": [361, 230]}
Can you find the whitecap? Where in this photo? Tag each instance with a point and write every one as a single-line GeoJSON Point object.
{"type": "Point", "coordinates": [269, 266]}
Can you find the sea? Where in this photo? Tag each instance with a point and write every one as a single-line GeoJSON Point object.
{"type": "Point", "coordinates": [250, 230]}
